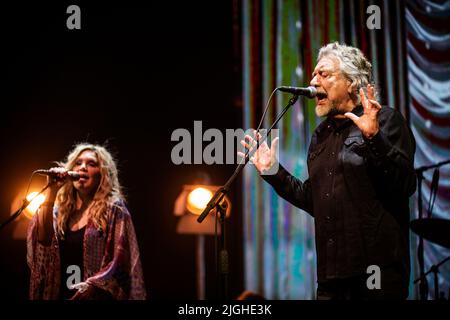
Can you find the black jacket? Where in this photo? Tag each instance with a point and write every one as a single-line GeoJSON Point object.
{"type": "Point", "coordinates": [358, 192]}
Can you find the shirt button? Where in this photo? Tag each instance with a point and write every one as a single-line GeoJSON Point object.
{"type": "Point", "coordinates": [332, 153]}
{"type": "Point", "coordinates": [330, 173]}
{"type": "Point", "coordinates": [330, 241]}
{"type": "Point", "coordinates": [327, 194]}
{"type": "Point", "coordinates": [328, 218]}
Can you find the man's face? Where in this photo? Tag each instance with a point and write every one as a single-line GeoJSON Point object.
{"type": "Point", "coordinates": [333, 88]}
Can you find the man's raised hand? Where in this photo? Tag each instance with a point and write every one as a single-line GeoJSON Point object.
{"type": "Point", "coordinates": [368, 122]}
{"type": "Point", "coordinates": [264, 158]}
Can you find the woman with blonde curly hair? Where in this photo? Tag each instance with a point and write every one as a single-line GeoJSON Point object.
{"type": "Point", "coordinates": [82, 243]}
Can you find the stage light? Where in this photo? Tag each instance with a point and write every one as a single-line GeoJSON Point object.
{"type": "Point", "coordinates": [188, 206]}
{"type": "Point", "coordinates": [34, 205]}
{"type": "Point", "coordinates": [20, 225]}
{"type": "Point", "coordinates": [198, 199]}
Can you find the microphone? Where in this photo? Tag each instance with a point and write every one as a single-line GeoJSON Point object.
{"type": "Point", "coordinates": [309, 92]}
{"type": "Point", "coordinates": [71, 174]}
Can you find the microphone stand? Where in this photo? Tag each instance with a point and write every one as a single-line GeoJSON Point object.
{"type": "Point", "coordinates": [223, 254]}
{"type": "Point", "coordinates": [25, 204]}
{"type": "Point", "coordinates": [435, 270]}
{"type": "Point", "coordinates": [220, 194]}
{"type": "Point", "coordinates": [423, 287]}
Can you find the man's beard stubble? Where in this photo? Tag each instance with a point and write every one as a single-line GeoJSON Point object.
{"type": "Point", "coordinates": [331, 112]}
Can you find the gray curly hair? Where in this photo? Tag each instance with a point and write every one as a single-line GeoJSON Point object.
{"type": "Point", "coordinates": [354, 65]}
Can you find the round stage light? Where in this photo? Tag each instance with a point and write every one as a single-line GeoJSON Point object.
{"type": "Point", "coordinates": [32, 208]}
{"type": "Point", "coordinates": [198, 199]}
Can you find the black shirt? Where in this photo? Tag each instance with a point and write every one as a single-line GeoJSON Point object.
{"type": "Point", "coordinates": [71, 254]}
{"type": "Point", "coordinates": [358, 192]}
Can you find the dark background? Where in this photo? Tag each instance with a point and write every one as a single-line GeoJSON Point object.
{"type": "Point", "coordinates": [128, 78]}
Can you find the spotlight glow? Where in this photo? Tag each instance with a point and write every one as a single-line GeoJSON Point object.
{"type": "Point", "coordinates": [198, 199]}
{"type": "Point", "coordinates": [32, 208]}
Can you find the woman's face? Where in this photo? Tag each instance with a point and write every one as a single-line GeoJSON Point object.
{"type": "Point", "coordinates": [88, 167]}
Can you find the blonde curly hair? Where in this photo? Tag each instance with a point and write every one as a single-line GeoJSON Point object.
{"type": "Point", "coordinates": [108, 193]}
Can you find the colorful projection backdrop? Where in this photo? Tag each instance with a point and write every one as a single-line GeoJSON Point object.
{"type": "Point", "coordinates": [410, 57]}
{"type": "Point", "coordinates": [428, 47]}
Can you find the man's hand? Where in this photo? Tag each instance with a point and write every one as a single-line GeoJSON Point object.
{"type": "Point", "coordinates": [368, 122]}
{"type": "Point", "coordinates": [264, 158]}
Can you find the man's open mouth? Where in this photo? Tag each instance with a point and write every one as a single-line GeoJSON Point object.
{"type": "Point", "coordinates": [321, 96]}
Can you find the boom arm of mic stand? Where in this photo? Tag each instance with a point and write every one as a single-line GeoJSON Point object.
{"type": "Point", "coordinates": [220, 194]}
{"type": "Point", "coordinates": [436, 165]}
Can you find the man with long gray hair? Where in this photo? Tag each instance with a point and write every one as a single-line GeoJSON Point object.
{"type": "Point", "coordinates": [361, 175]}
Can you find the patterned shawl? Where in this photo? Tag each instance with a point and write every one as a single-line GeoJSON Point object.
{"type": "Point", "coordinates": [111, 259]}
